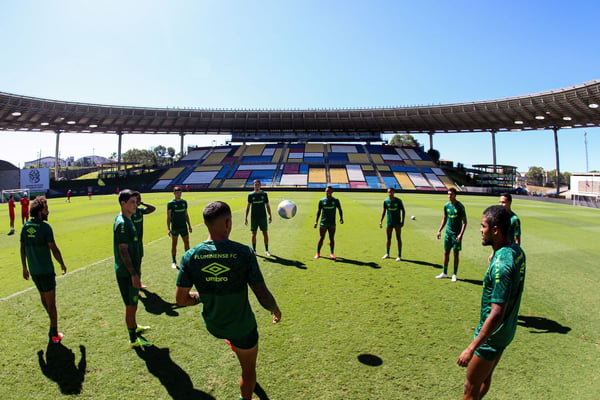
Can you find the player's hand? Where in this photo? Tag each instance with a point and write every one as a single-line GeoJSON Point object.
{"type": "Point", "coordinates": [270, 219]}
{"type": "Point", "coordinates": [276, 316]}
{"type": "Point", "coordinates": [135, 281]}
{"type": "Point", "coordinates": [341, 220]}
{"type": "Point", "coordinates": [380, 225]}
{"type": "Point", "coordinates": [168, 232]}
{"type": "Point", "coordinates": [246, 221]}
{"type": "Point", "coordinates": [464, 358]}
{"type": "Point", "coordinates": [315, 225]}
{"type": "Point", "coordinates": [64, 269]}
{"type": "Point", "coordinates": [190, 229]}
{"type": "Point", "coordinates": [25, 274]}
{"type": "Point", "coordinates": [439, 235]}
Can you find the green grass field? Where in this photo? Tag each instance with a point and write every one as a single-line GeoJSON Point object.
{"type": "Point", "coordinates": [336, 314]}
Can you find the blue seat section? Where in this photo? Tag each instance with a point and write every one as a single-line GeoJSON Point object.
{"type": "Point", "coordinates": [340, 185]}
{"type": "Point", "coordinates": [314, 160]}
{"type": "Point", "coordinates": [231, 172]}
{"type": "Point", "coordinates": [422, 154]}
{"type": "Point", "coordinates": [223, 172]}
{"type": "Point", "coordinates": [263, 175]}
{"type": "Point", "coordinates": [263, 182]}
{"type": "Point", "coordinates": [373, 182]}
{"type": "Point", "coordinates": [390, 181]}
{"type": "Point", "coordinates": [279, 174]}
{"type": "Point", "coordinates": [185, 163]}
{"type": "Point", "coordinates": [402, 168]}
{"type": "Point", "coordinates": [303, 169]}
{"type": "Point", "coordinates": [317, 185]}
{"type": "Point", "coordinates": [256, 160]}
{"type": "Point", "coordinates": [374, 149]}
{"type": "Point", "coordinates": [426, 170]}
{"type": "Point", "coordinates": [338, 157]}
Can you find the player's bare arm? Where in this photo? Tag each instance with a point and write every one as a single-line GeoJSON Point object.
{"type": "Point", "coordinates": [24, 262]}
{"type": "Point", "coordinates": [266, 299]}
{"type": "Point", "coordinates": [491, 323]}
{"type": "Point", "coordinates": [184, 297]}
{"type": "Point", "coordinates": [124, 253]}
{"type": "Point", "coordinates": [58, 256]}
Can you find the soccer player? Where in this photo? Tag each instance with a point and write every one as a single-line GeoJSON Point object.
{"type": "Point", "coordinates": [456, 219]}
{"type": "Point", "coordinates": [138, 221]}
{"type": "Point", "coordinates": [502, 288]}
{"type": "Point", "coordinates": [69, 196]}
{"type": "Point", "coordinates": [37, 242]}
{"type": "Point", "coordinates": [221, 270]}
{"type": "Point", "coordinates": [11, 214]}
{"type": "Point", "coordinates": [178, 223]}
{"type": "Point", "coordinates": [327, 206]}
{"type": "Point", "coordinates": [128, 260]}
{"type": "Point", "coordinates": [514, 232]}
{"type": "Point", "coordinates": [24, 208]}
{"type": "Point", "coordinates": [259, 201]}
{"type": "Point", "coordinates": [395, 221]}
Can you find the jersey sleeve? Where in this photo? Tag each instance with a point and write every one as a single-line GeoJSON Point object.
{"type": "Point", "coordinates": [184, 278]}
{"type": "Point", "coordinates": [266, 198]}
{"type": "Point", "coordinates": [49, 234]}
{"type": "Point", "coordinates": [121, 234]}
{"type": "Point", "coordinates": [501, 274]}
{"type": "Point", "coordinates": [249, 198]}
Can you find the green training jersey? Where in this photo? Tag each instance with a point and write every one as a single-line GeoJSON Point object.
{"type": "Point", "coordinates": [138, 221]}
{"type": "Point", "coordinates": [178, 209]}
{"type": "Point", "coordinates": [124, 233]}
{"type": "Point", "coordinates": [455, 214]}
{"type": "Point", "coordinates": [328, 210]}
{"type": "Point", "coordinates": [259, 203]}
{"type": "Point", "coordinates": [36, 235]}
{"type": "Point", "coordinates": [394, 210]}
{"type": "Point", "coordinates": [515, 227]}
{"type": "Point", "coordinates": [221, 272]}
{"type": "Point", "coordinates": [503, 284]}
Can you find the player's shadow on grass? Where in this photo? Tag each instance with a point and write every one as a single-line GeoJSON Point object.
{"type": "Point", "coordinates": [59, 366]}
{"type": "Point", "coordinates": [175, 380]}
{"type": "Point", "coordinates": [154, 304]}
{"type": "Point", "coordinates": [542, 325]}
{"type": "Point", "coordinates": [425, 263]}
{"type": "Point", "coordinates": [356, 262]}
{"type": "Point", "coordinates": [476, 282]}
{"type": "Point", "coordinates": [284, 261]}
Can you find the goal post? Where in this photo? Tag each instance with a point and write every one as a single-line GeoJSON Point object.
{"type": "Point", "coordinates": [17, 194]}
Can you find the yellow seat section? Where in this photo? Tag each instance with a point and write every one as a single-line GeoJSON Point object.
{"type": "Point", "coordinates": [424, 163]}
{"type": "Point", "coordinates": [276, 156]}
{"type": "Point", "coordinates": [377, 159]}
{"type": "Point", "coordinates": [172, 173]}
{"type": "Point", "coordinates": [383, 167]}
{"type": "Point", "coordinates": [367, 167]}
{"type": "Point", "coordinates": [338, 175]}
{"type": "Point", "coordinates": [404, 181]}
{"type": "Point", "coordinates": [254, 150]}
{"type": "Point", "coordinates": [358, 158]}
{"type": "Point", "coordinates": [207, 168]}
{"type": "Point", "coordinates": [234, 183]}
{"type": "Point", "coordinates": [214, 159]}
{"type": "Point", "coordinates": [314, 148]}
{"type": "Point", "coordinates": [240, 150]}
{"type": "Point", "coordinates": [215, 183]}
{"type": "Point", "coordinates": [317, 175]}
{"type": "Point", "coordinates": [447, 181]}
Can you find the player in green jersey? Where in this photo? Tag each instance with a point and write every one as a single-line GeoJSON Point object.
{"type": "Point", "coordinates": [455, 219]}
{"type": "Point", "coordinates": [221, 270]}
{"type": "Point", "coordinates": [178, 223]}
{"type": "Point", "coordinates": [502, 289]}
{"type": "Point", "coordinates": [138, 221]}
{"type": "Point", "coordinates": [395, 221]}
{"type": "Point", "coordinates": [37, 242]}
{"type": "Point", "coordinates": [514, 232]}
{"type": "Point", "coordinates": [259, 201]}
{"type": "Point", "coordinates": [327, 207]}
{"type": "Point", "coordinates": [126, 250]}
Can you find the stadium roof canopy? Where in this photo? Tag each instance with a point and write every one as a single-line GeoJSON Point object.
{"type": "Point", "coordinates": [571, 107]}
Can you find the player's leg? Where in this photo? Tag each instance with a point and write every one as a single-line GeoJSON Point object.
{"type": "Point", "coordinates": [331, 231]}
{"type": "Point", "coordinates": [479, 371]}
{"type": "Point", "coordinates": [49, 302]}
{"type": "Point", "coordinates": [456, 252]}
{"type": "Point", "coordinates": [322, 230]}
{"type": "Point", "coordinates": [266, 241]}
{"type": "Point", "coordinates": [398, 230]}
{"type": "Point", "coordinates": [447, 248]}
{"type": "Point", "coordinates": [174, 238]}
{"type": "Point", "coordinates": [388, 241]}
{"type": "Point", "coordinates": [253, 239]}
{"type": "Point", "coordinates": [186, 242]}
{"type": "Point", "coordinates": [247, 359]}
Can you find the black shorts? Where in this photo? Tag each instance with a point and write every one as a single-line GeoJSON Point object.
{"type": "Point", "coordinates": [245, 342]}
{"type": "Point", "coordinates": [44, 282]}
{"type": "Point", "coordinates": [129, 294]}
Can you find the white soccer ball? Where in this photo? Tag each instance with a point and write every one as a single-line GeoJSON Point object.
{"type": "Point", "coordinates": [413, 217]}
{"type": "Point", "coordinates": [286, 209]}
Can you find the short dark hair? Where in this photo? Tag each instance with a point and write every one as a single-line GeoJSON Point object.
{"type": "Point", "coordinates": [498, 216]}
{"type": "Point", "coordinates": [214, 211]}
{"type": "Point", "coordinates": [453, 190]}
{"type": "Point", "coordinates": [125, 195]}
{"type": "Point", "coordinates": [177, 189]}
{"type": "Point", "coordinates": [37, 205]}
{"type": "Point", "coordinates": [507, 195]}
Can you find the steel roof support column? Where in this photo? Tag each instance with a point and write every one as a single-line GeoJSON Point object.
{"type": "Point", "coordinates": [120, 135]}
{"type": "Point", "coordinates": [56, 152]}
{"type": "Point", "coordinates": [181, 136]}
{"type": "Point", "coordinates": [555, 129]}
{"type": "Point", "coordinates": [430, 140]}
{"type": "Point", "coordinates": [493, 132]}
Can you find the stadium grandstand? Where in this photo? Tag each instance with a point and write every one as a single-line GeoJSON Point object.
{"type": "Point", "coordinates": [310, 148]}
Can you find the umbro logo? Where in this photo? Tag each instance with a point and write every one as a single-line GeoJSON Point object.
{"type": "Point", "coordinates": [215, 269]}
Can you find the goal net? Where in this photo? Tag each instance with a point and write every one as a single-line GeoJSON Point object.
{"type": "Point", "coordinates": [17, 194]}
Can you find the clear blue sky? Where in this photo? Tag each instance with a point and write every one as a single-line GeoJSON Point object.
{"type": "Point", "coordinates": [308, 54]}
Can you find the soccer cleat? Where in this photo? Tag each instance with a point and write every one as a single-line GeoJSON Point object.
{"type": "Point", "coordinates": [385, 256]}
{"type": "Point", "coordinates": [267, 253]}
{"type": "Point", "coordinates": [332, 256]}
{"type": "Point", "coordinates": [140, 342]}
{"type": "Point", "coordinates": [454, 278]}
{"type": "Point", "coordinates": [174, 266]}
{"type": "Point", "coordinates": [142, 328]}
{"type": "Point", "coordinates": [317, 255]}
{"type": "Point", "coordinates": [442, 275]}
{"type": "Point", "coordinates": [398, 258]}
{"type": "Point", "coordinates": [56, 339]}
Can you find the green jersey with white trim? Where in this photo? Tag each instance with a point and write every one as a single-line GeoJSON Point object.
{"type": "Point", "coordinates": [259, 202]}
{"type": "Point", "coordinates": [124, 233]}
{"type": "Point", "coordinates": [393, 208]}
{"type": "Point", "coordinates": [221, 272]}
{"type": "Point", "coordinates": [328, 210]}
{"type": "Point", "coordinates": [455, 214]}
{"type": "Point", "coordinates": [178, 209]}
{"type": "Point", "coordinates": [503, 284]}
